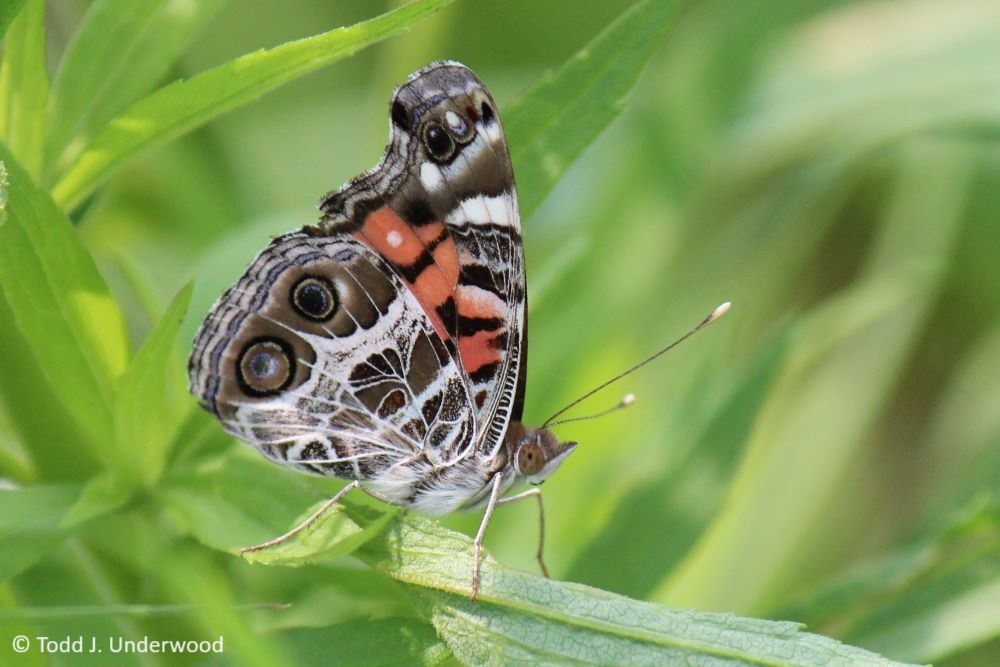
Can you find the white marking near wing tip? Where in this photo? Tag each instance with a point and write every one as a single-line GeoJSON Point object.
{"type": "Point", "coordinates": [476, 209]}
{"type": "Point", "coordinates": [430, 176]}
{"type": "Point", "coordinates": [492, 131]}
{"type": "Point", "coordinates": [480, 210]}
{"type": "Point", "coordinates": [481, 300]}
{"type": "Point", "coordinates": [499, 208]}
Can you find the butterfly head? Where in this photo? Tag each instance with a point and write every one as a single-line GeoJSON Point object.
{"type": "Point", "coordinates": [537, 453]}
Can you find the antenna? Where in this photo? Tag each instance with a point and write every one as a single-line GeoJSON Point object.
{"type": "Point", "coordinates": [719, 311]}
{"type": "Point", "coordinates": [626, 401]}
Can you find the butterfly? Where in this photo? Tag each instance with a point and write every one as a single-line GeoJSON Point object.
{"type": "Point", "coordinates": [387, 343]}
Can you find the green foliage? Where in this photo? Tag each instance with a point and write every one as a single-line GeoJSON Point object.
{"type": "Point", "coordinates": [829, 453]}
{"type": "Point", "coordinates": [567, 109]}
{"type": "Point", "coordinates": [898, 603]}
{"type": "Point", "coordinates": [148, 34]}
{"type": "Point", "coordinates": [24, 86]}
{"type": "Point", "coordinates": [184, 105]}
{"type": "Point", "coordinates": [521, 617]}
{"type": "Point", "coordinates": [61, 304]}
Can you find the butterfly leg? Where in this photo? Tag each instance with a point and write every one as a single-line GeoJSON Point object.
{"type": "Point", "coordinates": [308, 522]}
{"type": "Point", "coordinates": [537, 493]}
{"type": "Point", "coordinates": [477, 544]}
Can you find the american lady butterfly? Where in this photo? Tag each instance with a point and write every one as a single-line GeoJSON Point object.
{"type": "Point", "coordinates": [386, 345]}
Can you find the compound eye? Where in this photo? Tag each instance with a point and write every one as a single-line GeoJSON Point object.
{"type": "Point", "coordinates": [439, 143]}
{"type": "Point", "coordinates": [314, 298]}
{"type": "Point", "coordinates": [266, 367]}
{"type": "Point", "coordinates": [530, 459]}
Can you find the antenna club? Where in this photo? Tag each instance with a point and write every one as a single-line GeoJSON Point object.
{"type": "Point", "coordinates": [719, 311]}
{"type": "Point", "coordinates": [627, 400]}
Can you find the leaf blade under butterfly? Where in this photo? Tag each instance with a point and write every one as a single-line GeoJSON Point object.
{"type": "Point", "coordinates": [518, 615]}
{"type": "Point", "coordinates": [526, 617]}
{"type": "Point", "coordinates": [184, 105]}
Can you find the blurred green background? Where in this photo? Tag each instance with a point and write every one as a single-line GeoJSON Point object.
{"type": "Point", "coordinates": [828, 452]}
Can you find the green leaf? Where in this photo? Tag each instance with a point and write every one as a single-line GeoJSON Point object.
{"type": "Point", "coordinates": [399, 641]}
{"type": "Point", "coordinates": [145, 416]}
{"type": "Point", "coordinates": [849, 353]}
{"type": "Point", "coordinates": [332, 535]}
{"type": "Point", "coordinates": [235, 502]}
{"type": "Point", "coordinates": [923, 602]}
{"type": "Point", "coordinates": [44, 441]}
{"type": "Point", "coordinates": [184, 105]}
{"type": "Point", "coordinates": [564, 112]}
{"type": "Point", "coordinates": [685, 497]}
{"type": "Point", "coordinates": [61, 304]}
{"type": "Point", "coordinates": [524, 617]}
{"type": "Point", "coordinates": [24, 87]}
{"type": "Point", "coordinates": [125, 47]}
{"type": "Point", "coordinates": [100, 495]}
{"type": "Point", "coordinates": [3, 193]}
{"type": "Point", "coordinates": [8, 12]}
{"type": "Point", "coordinates": [29, 524]}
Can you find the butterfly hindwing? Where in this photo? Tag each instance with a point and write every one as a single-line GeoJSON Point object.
{"type": "Point", "coordinates": [320, 357]}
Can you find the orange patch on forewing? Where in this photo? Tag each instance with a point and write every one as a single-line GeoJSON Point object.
{"type": "Point", "coordinates": [478, 350]}
{"type": "Point", "coordinates": [436, 283]}
{"type": "Point", "coordinates": [446, 258]}
{"type": "Point", "coordinates": [431, 288]}
{"type": "Point", "coordinates": [430, 231]}
{"type": "Point", "coordinates": [391, 236]}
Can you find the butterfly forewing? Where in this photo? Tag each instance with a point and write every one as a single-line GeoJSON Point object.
{"type": "Point", "coordinates": [451, 230]}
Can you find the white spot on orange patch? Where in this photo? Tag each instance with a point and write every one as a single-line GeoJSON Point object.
{"type": "Point", "coordinates": [394, 238]}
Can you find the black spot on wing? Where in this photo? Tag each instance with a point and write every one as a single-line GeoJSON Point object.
{"type": "Point", "coordinates": [485, 372]}
{"type": "Point", "coordinates": [469, 326]}
{"type": "Point", "coordinates": [418, 212]}
{"type": "Point", "coordinates": [449, 315]}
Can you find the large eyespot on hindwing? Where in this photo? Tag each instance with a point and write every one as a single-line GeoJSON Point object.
{"type": "Point", "coordinates": [439, 143]}
{"type": "Point", "coordinates": [314, 298]}
{"type": "Point", "coordinates": [265, 367]}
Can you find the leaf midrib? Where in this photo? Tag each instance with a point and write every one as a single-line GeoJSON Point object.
{"type": "Point", "coordinates": [588, 623]}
